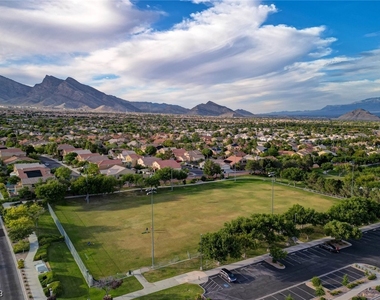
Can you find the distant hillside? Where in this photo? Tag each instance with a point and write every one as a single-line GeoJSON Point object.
{"type": "Point", "coordinates": [11, 89]}
{"type": "Point", "coordinates": [55, 93]}
{"type": "Point", "coordinates": [359, 115]}
{"type": "Point", "coordinates": [210, 109]}
{"type": "Point", "coordinates": [244, 113]}
{"type": "Point", "coordinates": [334, 111]}
{"type": "Point", "coordinates": [160, 108]}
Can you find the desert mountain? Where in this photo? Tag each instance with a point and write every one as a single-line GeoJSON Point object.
{"type": "Point", "coordinates": [359, 115]}
{"type": "Point", "coordinates": [55, 93]}
{"type": "Point", "coordinates": [244, 113]}
{"type": "Point", "coordinates": [334, 111]}
{"type": "Point", "coordinates": [70, 94]}
{"type": "Point", "coordinates": [210, 109]}
{"type": "Point", "coordinates": [11, 89]}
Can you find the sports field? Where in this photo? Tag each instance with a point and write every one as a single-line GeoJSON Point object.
{"type": "Point", "coordinates": [110, 236]}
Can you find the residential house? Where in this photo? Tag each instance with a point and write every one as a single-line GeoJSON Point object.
{"type": "Point", "coordinates": [108, 163]}
{"type": "Point", "coordinates": [179, 154]}
{"type": "Point", "coordinates": [148, 161]}
{"type": "Point", "coordinates": [16, 159]}
{"type": "Point", "coordinates": [194, 155]}
{"type": "Point", "coordinates": [30, 174]}
{"type": "Point", "coordinates": [116, 171]}
{"type": "Point", "coordinates": [167, 163]}
{"type": "Point", "coordinates": [9, 152]}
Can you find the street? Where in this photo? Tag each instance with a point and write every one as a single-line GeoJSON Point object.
{"type": "Point", "coordinates": [10, 288]}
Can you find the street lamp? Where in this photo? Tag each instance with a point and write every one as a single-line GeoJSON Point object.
{"type": "Point", "coordinates": [272, 193]}
{"type": "Point", "coordinates": [352, 181]}
{"type": "Point", "coordinates": [201, 268]}
{"type": "Point", "coordinates": [150, 192]}
{"type": "Point", "coordinates": [87, 195]}
{"type": "Point", "coordinates": [171, 178]}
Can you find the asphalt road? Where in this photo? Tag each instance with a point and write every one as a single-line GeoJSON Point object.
{"type": "Point", "coordinates": [51, 164]}
{"type": "Point", "coordinates": [262, 281]}
{"type": "Point", "coordinates": [10, 287]}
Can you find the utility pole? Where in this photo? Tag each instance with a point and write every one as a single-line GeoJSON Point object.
{"type": "Point", "coordinates": [272, 193]}
{"type": "Point", "coordinates": [352, 181]}
{"type": "Point", "coordinates": [201, 268]}
{"type": "Point", "coordinates": [151, 192]}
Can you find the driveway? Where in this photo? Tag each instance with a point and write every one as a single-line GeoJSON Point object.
{"type": "Point", "coordinates": [262, 281]}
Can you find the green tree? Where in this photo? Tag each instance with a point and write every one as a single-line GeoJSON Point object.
{"type": "Point", "coordinates": [211, 168]}
{"type": "Point", "coordinates": [277, 253]}
{"type": "Point", "coordinates": [150, 150]}
{"type": "Point", "coordinates": [207, 152]}
{"type": "Point", "coordinates": [342, 230]}
{"type": "Point", "coordinates": [316, 281]}
{"type": "Point", "coordinates": [14, 179]}
{"type": "Point", "coordinates": [51, 191]}
{"type": "Point", "coordinates": [319, 291]}
{"type": "Point", "coordinates": [164, 174]}
{"type": "Point", "coordinates": [20, 228]}
{"type": "Point", "coordinates": [69, 158]}
{"type": "Point", "coordinates": [63, 173]}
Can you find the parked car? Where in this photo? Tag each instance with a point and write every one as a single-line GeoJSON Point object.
{"type": "Point", "coordinates": [330, 247]}
{"type": "Point", "coordinates": [227, 275]}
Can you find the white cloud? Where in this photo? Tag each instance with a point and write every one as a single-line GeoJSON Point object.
{"type": "Point", "coordinates": [223, 53]}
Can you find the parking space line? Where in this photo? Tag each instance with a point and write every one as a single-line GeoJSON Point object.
{"type": "Point", "coordinates": [318, 250]}
{"type": "Point", "coordinates": [356, 273]}
{"type": "Point", "coordinates": [293, 292]}
{"type": "Point", "coordinates": [286, 261]}
{"type": "Point", "coordinates": [297, 262]}
{"type": "Point", "coordinates": [350, 277]}
{"type": "Point", "coordinates": [305, 291]}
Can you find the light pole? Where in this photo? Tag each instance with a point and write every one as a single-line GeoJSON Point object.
{"type": "Point", "coordinates": [87, 195]}
{"type": "Point", "coordinates": [171, 178]}
{"type": "Point", "coordinates": [151, 192]}
{"type": "Point", "coordinates": [272, 193]}
{"type": "Point", "coordinates": [235, 165]}
{"type": "Point", "coordinates": [352, 181]}
{"type": "Point", "coordinates": [201, 268]}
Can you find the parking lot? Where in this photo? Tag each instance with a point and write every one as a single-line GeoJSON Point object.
{"type": "Point", "coordinates": [263, 281]}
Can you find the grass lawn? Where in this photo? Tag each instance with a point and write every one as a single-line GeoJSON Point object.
{"type": "Point", "coordinates": [115, 224]}
{"type": "Point", "coordinates": [181, 292]}
{"type": "Point", "coordinates": [62, 263]}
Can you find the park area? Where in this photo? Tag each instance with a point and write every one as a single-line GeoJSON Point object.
{"type": "Point", "coordinates": [113, 232]}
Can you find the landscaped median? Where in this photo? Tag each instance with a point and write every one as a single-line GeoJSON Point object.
{"type": "Point", "coordinates": [321, 292]}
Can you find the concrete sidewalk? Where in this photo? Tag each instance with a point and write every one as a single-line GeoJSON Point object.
{"type": "Point", "coordinates": [31, 272]}
{"type": "Point", "coordinates": [198, 277]}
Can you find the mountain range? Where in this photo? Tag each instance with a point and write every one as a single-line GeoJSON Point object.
{"type": "Point", "coordinates": [55, 93]}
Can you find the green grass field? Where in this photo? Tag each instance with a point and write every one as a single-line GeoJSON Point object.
{"type": "Point", "coordinates": [115, 224]}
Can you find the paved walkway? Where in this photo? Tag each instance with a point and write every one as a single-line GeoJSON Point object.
{"type": "Point", "coordinates": [31, 272]}
{"type": "Point", "coordinates": [197, 277]}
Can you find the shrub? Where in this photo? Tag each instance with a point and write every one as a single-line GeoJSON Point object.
{"type": "Point", "coordinates": [359, 298]}
{"type": "Point", "coordinates": [289, 297]}
{"type": "Point", "coordinates": [377, 288]}
{"type": "Point", "coordinates": [20, 264]}
{"type": "Point", "coordinates": [345, 280]}
{"type": "Point", "coordinates": [41, 253]}
{"type": "Point", "coordinates": [334, 293]}
{"type": "Point", "coordinates": [56, 288]}
{"type": "Point", "coordinates": [371, 276]}
{"type": "Point", "coordinates": [21, 246]}
{"type": "Point", "coordinates": [46, 278]}
{"type": "Point", "coordinates": [316, 281]}
{"type": "Point", "coordinates": [48, 239]}
{"type": "Point", "coordinates": [352, 285]}
{"type": "Point", "coordinates": [319, 291]}
{"type": "Point", "coordinates": [203, 178]}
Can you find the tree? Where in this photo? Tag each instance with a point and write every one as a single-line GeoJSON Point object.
{"type": "Point", "coordinates": [207, 152]}
{"type": "Point", "coordinates": [14, 179]}
{"type": "Point", "coordinates": [316, 281]}
{"type": "Point", "coordinates": [299, 214]}
{"type": "Point", "coordinates": [150, 150]}
{"type": "Point", "coordinates": [277, 253]}
{"type": "Point", "coordinates": [345, 280]}
{"type": "Point", "coordinates": [342, 230]}
{"type": "Point", "coordinates": [91, 169]}
{"type": "Point", "coordinates": [20, 228]}
{"type": "Point", "coordinates": [63, 173]}
{"type": "Point", "coordinates": [107, 284]}
{"type": "Point", "coordinates": [152, 181]}
{"type": "Point", "coordinates": [211, 168]}
{"type": "Point", "coordinates": [70, 157]}
{"type": "Point", "coordinates": [51, 191]}
{"type": "Point", "coordinates": [164, 174]}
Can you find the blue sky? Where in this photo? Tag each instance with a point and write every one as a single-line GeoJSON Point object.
{"type": "Point", "coordinates": [261, 56]}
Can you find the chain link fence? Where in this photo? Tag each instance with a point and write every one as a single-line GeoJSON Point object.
{"type": "Point", "coordinates": [86, 274]}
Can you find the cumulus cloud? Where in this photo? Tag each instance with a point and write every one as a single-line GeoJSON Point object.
{"type": "Point", "coordinates": [48, 27]}
{"type": "Point", "coordinates": [223, 53]}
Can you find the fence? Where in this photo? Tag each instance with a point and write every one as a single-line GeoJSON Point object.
{"type": "Point", "coordinates": [86, 274]}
